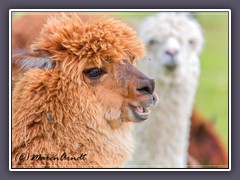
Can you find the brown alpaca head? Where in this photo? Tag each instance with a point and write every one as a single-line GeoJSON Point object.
{"type": "Point", "coordinates": [98, 55]}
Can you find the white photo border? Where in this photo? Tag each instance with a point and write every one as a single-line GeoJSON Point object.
{"type": "Point", "coordinates": [121, 10]}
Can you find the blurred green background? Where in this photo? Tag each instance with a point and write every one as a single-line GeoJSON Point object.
{"type": "Point", "coordinates": [212, 95]}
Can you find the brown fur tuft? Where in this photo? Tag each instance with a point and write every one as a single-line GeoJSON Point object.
{"type": "Point", "coordinates": [100, 39]}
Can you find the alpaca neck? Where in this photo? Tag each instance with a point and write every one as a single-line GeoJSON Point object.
{"type": "Point", "coordinates": [65, 120]}
{"type": "Point", "coordinates": [113, 145]}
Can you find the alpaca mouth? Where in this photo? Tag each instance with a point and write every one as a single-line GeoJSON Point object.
{"type": "Point", "coordinates": [171, 67]}
{"type": "Point", "coordinates": [140, 113]}
{"type": "Point", "coordinates": [171, 64]}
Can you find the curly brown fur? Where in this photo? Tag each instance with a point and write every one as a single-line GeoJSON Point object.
{"type": "Point", "coordinates": [57, 108]}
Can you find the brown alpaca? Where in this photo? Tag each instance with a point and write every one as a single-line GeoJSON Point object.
{"type": "Point", "coordinates": [205, 144]}
{"type": "Point", "coordinates": [27, 28]}
{"type": "Point", "coordinates": [79, 95]}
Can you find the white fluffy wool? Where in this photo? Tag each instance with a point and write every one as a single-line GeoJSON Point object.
{"type": "Point", "coordinates": [162, 141]}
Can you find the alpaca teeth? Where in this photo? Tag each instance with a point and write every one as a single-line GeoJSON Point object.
{"type": "Point", "coordinates": [142, 111]}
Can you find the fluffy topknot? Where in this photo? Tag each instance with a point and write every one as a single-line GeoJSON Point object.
{"type": "Point", "coordinates": [97, 40]}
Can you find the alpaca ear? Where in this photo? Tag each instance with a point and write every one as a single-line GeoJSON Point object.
{"type": "Point", "coordinates": [191, 15]}
{"type": "Point", "coordinates": [32, 61]}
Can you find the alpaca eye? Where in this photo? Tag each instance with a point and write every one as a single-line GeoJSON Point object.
{"type": "Point", "coordinates": [94, 73]}
{"type": "Point", "coordinates": [152, 42]}
{"type": "Point", "coordinates": [191, 42]}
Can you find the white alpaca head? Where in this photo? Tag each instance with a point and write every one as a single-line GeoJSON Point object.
{"type": "Point", "coordinates": [173, 41]}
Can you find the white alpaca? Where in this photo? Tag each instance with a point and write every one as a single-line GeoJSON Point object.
{"type": "Point", "coordinates": [174, 41]}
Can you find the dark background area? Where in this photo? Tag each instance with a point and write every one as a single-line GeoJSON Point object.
{"type": "Point", "coordinates": [123, 4]}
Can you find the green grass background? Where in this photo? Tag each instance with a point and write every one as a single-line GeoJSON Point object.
{"type": "Point", "coordinates": [212, 95]}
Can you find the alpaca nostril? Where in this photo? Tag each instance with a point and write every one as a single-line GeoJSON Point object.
{"type": "Point", "coordinates": [146, 86]}
{"type": "Point", "coordinates": [171, 52]}
{"type": "Point", "coordinates": [144, 89]}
